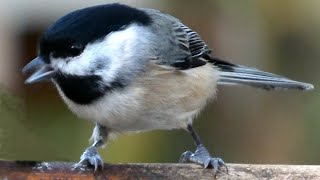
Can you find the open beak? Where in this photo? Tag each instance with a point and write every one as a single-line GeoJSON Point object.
{"type": "Point", "coordinates": [42, 72]}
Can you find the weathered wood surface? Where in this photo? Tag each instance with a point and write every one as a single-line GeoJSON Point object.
{"type": "Point", "coordinates": [60, 170]}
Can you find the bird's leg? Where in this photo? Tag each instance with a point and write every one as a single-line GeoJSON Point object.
{"type": "Point", "coordinates": [90, 155]}
{"type": "Point", "coordinates": [201, 155]}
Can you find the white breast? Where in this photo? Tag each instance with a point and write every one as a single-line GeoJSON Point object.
{"type": "Point", "coordinates": [161, 99]}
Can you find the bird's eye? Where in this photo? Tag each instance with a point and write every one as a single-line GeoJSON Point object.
{"type": "Point", "coordinates": [76, 49]}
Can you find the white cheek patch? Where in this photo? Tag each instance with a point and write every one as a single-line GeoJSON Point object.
{"type": "Point", "coordinates": [114, 51]}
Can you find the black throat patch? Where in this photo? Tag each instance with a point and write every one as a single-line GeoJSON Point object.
{"type": "Point", "coordinates": [85, 89]}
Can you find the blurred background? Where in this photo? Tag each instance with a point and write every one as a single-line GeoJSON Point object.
{"type": "Point", "coordinates": [243, 125]}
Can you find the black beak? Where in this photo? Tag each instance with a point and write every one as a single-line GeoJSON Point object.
{"type": "Point", "coordinates": [42, 72]}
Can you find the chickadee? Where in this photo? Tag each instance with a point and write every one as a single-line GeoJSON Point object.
{"type": "Point", "coordinates": [131, 69]}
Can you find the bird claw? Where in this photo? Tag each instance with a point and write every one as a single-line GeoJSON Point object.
{"type": "Point", "coordinates": [202, 156]}
{"type": "Point", "coordinates": [90, 157]}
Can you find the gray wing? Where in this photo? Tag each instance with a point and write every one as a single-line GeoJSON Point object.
{"type": "Point", "coordinates": [192, 43]}
{"type": "Point", "coordinates": [177, 45]}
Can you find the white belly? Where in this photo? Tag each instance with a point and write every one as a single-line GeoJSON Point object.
{"type": "Point", "coordinates": [162, 99]}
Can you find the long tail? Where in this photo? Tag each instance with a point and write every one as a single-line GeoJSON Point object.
{"type": "Point", "coordinates": [231, 74]}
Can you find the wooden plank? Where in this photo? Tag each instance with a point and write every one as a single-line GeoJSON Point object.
{"type": "Point", "coordinates": [21, 170]}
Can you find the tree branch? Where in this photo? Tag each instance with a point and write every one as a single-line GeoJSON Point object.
{"type": "Point", "coordinates": [61, 170]}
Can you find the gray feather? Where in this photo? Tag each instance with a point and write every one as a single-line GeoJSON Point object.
{"type": "Point", "coordinates": [241, 75]}
{"type": "Point", "coordinates": [181, 48]}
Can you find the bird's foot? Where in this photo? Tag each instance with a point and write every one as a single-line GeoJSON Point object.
{"type": "Point", "coordinates": [90, 157]}
{"type": "Point", "coordinates": [202, 156]}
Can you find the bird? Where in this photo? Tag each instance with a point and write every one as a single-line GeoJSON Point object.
{"type": "Point", "coordinates": [131, 69]}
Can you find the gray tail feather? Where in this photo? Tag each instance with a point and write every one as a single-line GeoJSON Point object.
{"type": "Point", "coordinates": [231, 74]}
